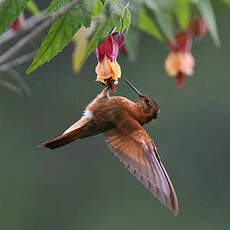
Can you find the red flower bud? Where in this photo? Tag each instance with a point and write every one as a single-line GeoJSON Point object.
{"type": "Point", "coordinates": [110, 47]}
{"type": "Point", "coordinates": [183, 42]}
{"type": "Point", "coordinates": [198, 27]}
{"type": "Point", "coordinates": [18, 24]}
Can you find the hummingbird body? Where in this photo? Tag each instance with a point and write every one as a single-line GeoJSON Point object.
{"type": "Point", "coordinates": [122, 120]}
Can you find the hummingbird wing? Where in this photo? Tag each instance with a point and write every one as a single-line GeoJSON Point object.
{"type": "Point", "coordinates": [139, 154]}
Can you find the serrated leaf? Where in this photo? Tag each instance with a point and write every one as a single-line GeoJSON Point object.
{"type": "Point", "coordinates": [147, 24]}
{"type": "Point", "coordinates": [126, 20]}
{"type": "Point", "coordinates": [164, 20]}
{"type": "Point", "coordinates": [102, 32]}
{"type": "Point", "coordinates": [56, 5]}
{"type": "Point", "coordinates": [9, 11]}
{"type": "Point", "coordinates": [98, 6]}
{"type": "Point", "coordinates": [207, 13]}
{"type": "Point", "coordinates": [32, 7]}
{"type": "Point", "coordinates": [182, 10]}
{"type": "Point", "coordinates": [60, 34]}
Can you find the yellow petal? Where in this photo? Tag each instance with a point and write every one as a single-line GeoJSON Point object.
{"type": "Point", "coordinates": [172, 64]}
{"type": "Point", "coordinates": [108, 70]}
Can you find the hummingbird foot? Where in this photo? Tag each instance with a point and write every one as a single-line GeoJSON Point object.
{"type": "Point", "coordinates": [105, 92]}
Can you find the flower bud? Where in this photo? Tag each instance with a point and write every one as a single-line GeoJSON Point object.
{"type": "Point", "coordinates": [18, 24]}
{"type": "Point", "coordinates": [198, 27]}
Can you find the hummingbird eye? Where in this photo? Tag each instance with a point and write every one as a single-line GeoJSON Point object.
{"type": "Point", "coordinates": [147, 101]}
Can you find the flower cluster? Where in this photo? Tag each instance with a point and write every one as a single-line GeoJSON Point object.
{"type": "Point", "coordinates": [108, 70]}
{"type": "Point", "coordinates": [180, 61]}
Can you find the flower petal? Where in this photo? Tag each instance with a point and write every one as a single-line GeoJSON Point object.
{"type": "Point", "coordinates": [107, 70]}
{"type": "Point", "coordinates": [172, 64]}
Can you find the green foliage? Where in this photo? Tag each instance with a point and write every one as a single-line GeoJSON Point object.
{"type": "Point", "coordinates": [182, 11]}
{"type": "Point", "coordinates": [158, 18]}
{"type": "Point", "coordinates": [32, 7]}
{"type": "Point", "coordinates": [60, 34]}
{"type": "Point", "coordinates": [116, 17]}
{"type": "Point", "coordinates": [97, 7]}
{"type": "Point", "coordinates": [147, 24]}
{"type": "Point", "coordinates": [207, 13]}
{"type": "Point", "coordinates": [126, 20]}
{"type": "Point", "coordinates": [9, 11]}
{"type": "Point", "coordinates": [165, 21]}
{"type": "Point", "coordinates": [56, 5]}
{"type": "Point", "coordinates": [105, 27]}
{"type": "Point", "coordinates": [226, 2]}
{"type": "Point", "coordinates": [132, 41]}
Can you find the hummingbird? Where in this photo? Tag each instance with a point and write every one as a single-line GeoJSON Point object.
{"type": "Point", "coordinates": [121, 120]}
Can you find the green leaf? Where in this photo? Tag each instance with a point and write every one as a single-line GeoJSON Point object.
{"type": "Point", "coordinates": [116, 11]}
{"type": "Point", "coordinates": [9, 11]}
{"type": "Point", "coordinates": [162, 4]}
{"type": "Point", "coordinates": [56, 5]}
{"type": "Point", "coordinates": [102, 32]}
{"type": "Point", "coordinates": [226, 2]}
{"type": "Point", "coordinates": [32, 7]}
{"type": "Point", "coordinates": [207, 13]}
{"type": "Point", "coordinates": [98, 6]}
{"type": "Point", "coordinates": [182, 11]}
{"type": "Point", "coordinates": [60, 34]}
{"type": "Point", "coordinates": [164, 19]}
{"type": "Point", "coordinates": [126, 20]}
{"type": "Point", "coordinates": [132, 40]}
{"type": "Point", "coordinates": [146, 24]}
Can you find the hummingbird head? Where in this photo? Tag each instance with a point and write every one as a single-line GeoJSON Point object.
{"type": "Point", "coordinates": [146, 104]}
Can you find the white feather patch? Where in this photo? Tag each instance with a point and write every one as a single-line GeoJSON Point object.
{"type": "Point", "coordinates": [88, 114]}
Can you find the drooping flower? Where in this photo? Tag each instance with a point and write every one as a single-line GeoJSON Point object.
{"type": "Point", "coordinates": [108, 70]}
{"type": "Point", "coordinates": [179, 64]}
{"type": "Point", "coordinates": [81, 41]}
{"type": "Point", "coordinates": [180, 61]}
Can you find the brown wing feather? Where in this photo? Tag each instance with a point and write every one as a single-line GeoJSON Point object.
{"type": "Point", "coordinates": [64, 139]}
{"type": "Point", "coordinates": [139, 154]}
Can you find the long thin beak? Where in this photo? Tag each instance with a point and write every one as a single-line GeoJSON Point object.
{"type": "Point", "coordinates": [134, 88]}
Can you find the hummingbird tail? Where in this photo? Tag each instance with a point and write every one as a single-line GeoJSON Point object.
{"type": "Point", "coordinates": [63, 139]}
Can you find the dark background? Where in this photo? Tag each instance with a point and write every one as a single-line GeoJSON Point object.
{"type": "Point", "coordinates": [83, 185]}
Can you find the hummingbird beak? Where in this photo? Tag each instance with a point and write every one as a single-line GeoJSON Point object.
{"type": "Point", "coordinates": [134, 88]}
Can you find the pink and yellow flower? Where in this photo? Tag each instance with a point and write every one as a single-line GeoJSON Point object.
{"type": "Point", "coordinates": [108, 70]}
{"type": "Point", "coordinates": [180, 61]}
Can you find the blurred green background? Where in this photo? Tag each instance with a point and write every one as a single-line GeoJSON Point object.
{"type": "Point", "coordinates": [83, 185]}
